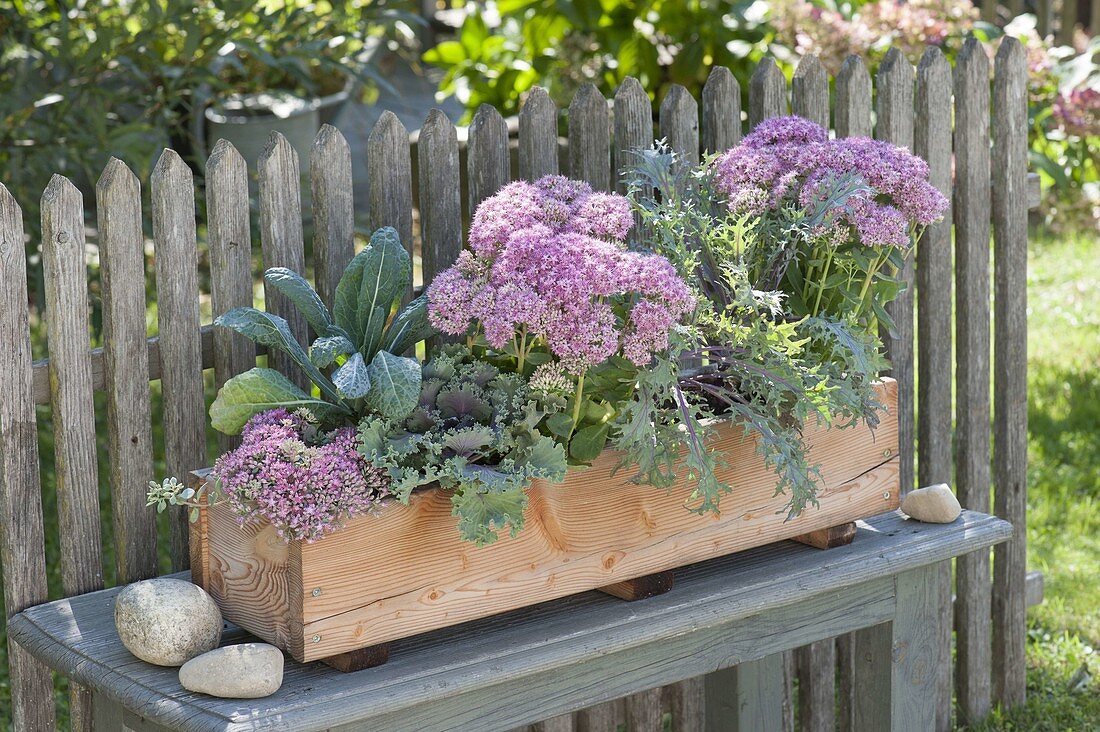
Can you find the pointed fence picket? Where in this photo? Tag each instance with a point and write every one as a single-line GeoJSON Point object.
{"type": "Point", "coordinates": [943, 113]}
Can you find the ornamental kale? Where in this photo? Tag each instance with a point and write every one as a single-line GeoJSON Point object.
{"type": "Point", "coordinates": [549, 284]}
{"type": "Point", "coordinates": [302, 481]}
{"type": "Point", "coordinates": [474, 430]}
{"type": "Point", "coordinates": [355, 361]}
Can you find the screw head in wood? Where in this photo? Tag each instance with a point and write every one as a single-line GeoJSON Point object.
{"type": "Point", "coordinates": [316, 639]}
{"type": "Point", "coordinates": [887, 452]}
{"type": "Point", "coordinates": [62, 237]}
{"type": "Point", "coordinates": [886, 496]}
{"type": "Point", "coordinates": [316, 592]}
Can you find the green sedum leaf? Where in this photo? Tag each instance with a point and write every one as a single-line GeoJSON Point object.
{"type": "Point", "coordinates": [259, 390]}
{"type": "Point", "coordinates": [352, 379]}
{"type": "Point", "coordinates": [299, 292]}
{"type": "Point", "coordinates": [394, 385]}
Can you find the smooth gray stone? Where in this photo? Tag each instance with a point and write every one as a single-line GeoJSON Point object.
{"type": "Point", "coordinates": [245, 671]}
{"type": "Point", "coordinates": [167, 622]}
{"type": "Point", "coordinates": [935, 504]}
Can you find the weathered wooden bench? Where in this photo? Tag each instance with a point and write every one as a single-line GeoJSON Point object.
{"type": "Point", "coordinates": [728, 618]}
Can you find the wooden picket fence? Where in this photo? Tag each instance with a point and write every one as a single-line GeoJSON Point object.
{"type": "Point", "coordinates": [947, 116]}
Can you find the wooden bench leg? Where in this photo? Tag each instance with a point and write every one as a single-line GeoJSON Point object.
{"type": "Point", "coordinates": [746, 697]}
{"type": "Point", "coordinates": [360, 658]}
{"type": "Point", "coordinates": [833, 536]}
{"type": "Point", "coordinates": [895, 664]}
{"type": "Point", "coordinates": [640, 588]}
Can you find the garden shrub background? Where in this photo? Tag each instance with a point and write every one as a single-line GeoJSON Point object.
{"type": "Point", "coordinates": [78, 85]}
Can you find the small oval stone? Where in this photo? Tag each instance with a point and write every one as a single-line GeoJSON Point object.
{"type": "Point", "coordinates": [935, 504]}
{"type": "Point", "coordinates": [167, 622]}
{"type": "Point", "coordinates": [245, 671]}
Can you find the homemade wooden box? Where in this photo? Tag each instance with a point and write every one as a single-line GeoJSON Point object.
{"type": "Point", "coordinates": [406, 571]}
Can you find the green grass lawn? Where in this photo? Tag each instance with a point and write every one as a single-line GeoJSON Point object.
{"type": "Point", "coordinates": [1064, 487]}
{"type": "Point", "coordinates": [1063, 506]}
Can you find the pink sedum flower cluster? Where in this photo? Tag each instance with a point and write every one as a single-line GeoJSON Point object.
{"type": "Point", "coordinates": [302, 487]}
{"type": "Point", "coordinates": [547, 260]}
{"type": "Point", "coordinates": [790, 157]}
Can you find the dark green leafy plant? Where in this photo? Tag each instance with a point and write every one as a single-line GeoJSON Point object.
{"type": "Point", "coordinates": [474, 430]}
{"type": "Point", "coordinates": [358, 343]}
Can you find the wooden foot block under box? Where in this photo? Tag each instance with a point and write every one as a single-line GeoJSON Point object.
{"type": "Point", "coordinates": [406, 571]}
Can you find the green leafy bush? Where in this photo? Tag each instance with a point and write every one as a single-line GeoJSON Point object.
{"type": "Point", "coordinates": [358, 338]}
{"type": "Point", "coordinates": [561, 45]}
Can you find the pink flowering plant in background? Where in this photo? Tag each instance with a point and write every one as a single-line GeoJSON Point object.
{"type": "Point", "coordinates": [303, 482]}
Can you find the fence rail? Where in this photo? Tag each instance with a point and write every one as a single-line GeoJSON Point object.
{"type": "Point", "coordinates": [981, 160]}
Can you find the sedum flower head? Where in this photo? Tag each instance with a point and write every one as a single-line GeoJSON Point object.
{"type": "Point", "coordinates": [302, 483]}
{"type": "Point", "coordinates": [548, 258]}
{"type": "Point", "coordinates": [790, 158]}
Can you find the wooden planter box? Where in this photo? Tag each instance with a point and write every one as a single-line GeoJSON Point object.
{"type": "Point", "coordinates": [406, 571]}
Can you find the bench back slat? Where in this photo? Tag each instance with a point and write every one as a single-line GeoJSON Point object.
{"type": "Point", "coordinates": [22, 535]}
{"type": "Point", "coordinates": [177, 280]}
{"type": "Point", "coordinates": [129, 415]}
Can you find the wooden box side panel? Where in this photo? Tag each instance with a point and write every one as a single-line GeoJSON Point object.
{"type": "Point", "coordinates": [406, 571]}
{"type": "Point", "coordinates": [252, 575]}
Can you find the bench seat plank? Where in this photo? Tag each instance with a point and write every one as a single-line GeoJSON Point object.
{"type": "Point", "coordinates": [516, 668]}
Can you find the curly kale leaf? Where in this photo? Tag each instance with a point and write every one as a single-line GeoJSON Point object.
{"type": "Point", "coordinates": [474, 431]}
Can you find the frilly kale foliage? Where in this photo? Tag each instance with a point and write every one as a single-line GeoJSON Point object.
{"type": "Point", "coordinates": [474, 430]}
{"type": "Point", "coordinates": [751, 356]}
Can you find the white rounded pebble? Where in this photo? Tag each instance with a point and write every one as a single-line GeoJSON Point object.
{"type": "Point", "coordinates": [167, 621]}
{"type": "Point", "coordinates": [245, 671]}
{"type": "Point", "coordinates": [935, 504]}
